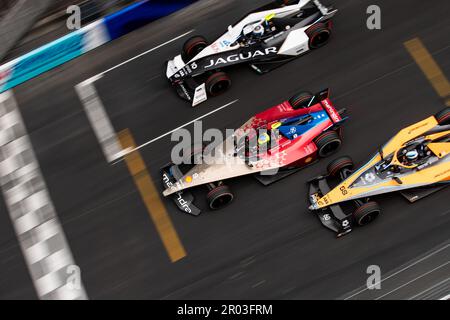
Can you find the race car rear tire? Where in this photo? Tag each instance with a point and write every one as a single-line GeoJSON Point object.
{"type": "Point", "coordinates": [193, 47]}
{"type": "Point", "coordinates": [443, 117]}
{"type": "Point", "coordinates": [336, 166]}
{"type": "Point", "coordinates": [319, 35]}
{"type": "Point", "coordinates": [328, 143]}
{"type": "Point", "coordinates": [219, 197]}
{"type": "Point", "coordinates": [366, 213]}
{"type": "Point", "coordinates": [301, 100]}
{"type": "Point", "coordinates": [218, 83]}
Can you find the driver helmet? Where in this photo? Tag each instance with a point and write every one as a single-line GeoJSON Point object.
{"type": "Point", "coordinates": [412, 155]}
{"type": "Point", "coordinates": [258, 30]}
{"type": "Point", "coordinates": [263, 138]}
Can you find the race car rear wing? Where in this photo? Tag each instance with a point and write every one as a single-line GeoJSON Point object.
{"type": "Point", "coordinates": [323, 97]}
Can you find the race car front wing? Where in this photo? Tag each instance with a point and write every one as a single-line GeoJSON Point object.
{"type": "Point", "coordinates": [332, 217]}
{"type": "Point", "coordinates": [188, 88]}
{"type": "Point", "coordinates": [184, 200]}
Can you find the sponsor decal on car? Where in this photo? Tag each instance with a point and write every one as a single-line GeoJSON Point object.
{"type": "Point", "coordinates": [309, 149]}
{"type": "Point", "coordinates": [440, 174]}
{"type": "Point", "coordinates": [241, 57]}
{"type": "Point", "coordinates": [183, 88]}
{"type": "Point", "coordinates": [183, 204]}
{"type": "Point", "coordinates": [411, 131]}
{"type": "Point", "coordinates": [370, 177]}
{"type": "Point", "coordinates": [285, 106]}
{"type": "Point", "coordinates": [256, 68]}
{"type": "Point", "coordinates": [215, 47]}
{"type": "Point", "coordinates": [330, 110]}
{"type": "Point", "coordinates": [225, 43]}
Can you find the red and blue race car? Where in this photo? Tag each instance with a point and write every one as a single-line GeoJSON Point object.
{"type": "Point", "coordinates": [271, 145]}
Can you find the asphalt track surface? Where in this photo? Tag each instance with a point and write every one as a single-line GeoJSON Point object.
{"type": "Point", "coordinates": [266, 244]}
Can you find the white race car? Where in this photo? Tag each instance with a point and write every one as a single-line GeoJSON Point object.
{"type": "Point", "coordinates": [265, 39]}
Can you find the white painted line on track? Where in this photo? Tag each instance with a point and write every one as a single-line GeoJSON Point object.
{"type": "Point", "coordinates": [180, 127]}
{"type": "Point", "coordinates": [437, 285]}
{"type": "Point", "coordinates": [411, 281]}
{"type": "Point", "coordinates": [401, 270]}
{"type": "Point", "coordinates": [98, 76]}
{"type": "Point", "coordinates": [104, 130]}
{"type": "Point", "coordinates": [99, 120]}
{"type": "Point", "coordinates": [39, 232]}
{"type": "Point", "coordinates": [97, 114]}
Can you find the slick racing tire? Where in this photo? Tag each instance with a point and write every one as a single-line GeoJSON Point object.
{"type": "Point", "coordinates": [443, 117]}
{"type": "Point", "coordinates": [301, 100]}
{"type": "Point", "coordinates": [193, 47]}
{"type": "Point", "coordinates": [318, 35]}
{"type": "Point", "coordinates": [336, 166]}
{"type": "Point", "coordinates": [219, 197]}
{"type": "Point", "coordinates": [366, 213]}
{"type": "Point", "coordinates": [218, 83]}
{"type": "Point", "coordinates": [328, 143]}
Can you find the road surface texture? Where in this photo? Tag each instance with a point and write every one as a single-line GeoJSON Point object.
{"type": "Point", "coordinates": [266, 245]}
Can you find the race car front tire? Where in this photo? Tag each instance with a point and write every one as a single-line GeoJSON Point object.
{"type": "Point", "coordinates": [443, 117]}
{"type": "Point", "coordinates": [219, 197]}
{"type": "Point", "coordinates": [301, 100]}
{"type": "Point", "coordinates": [366, 213]}
{"type": "Point", "coordinates": [328, 143]}
{"type": "Point", "coordinates": [318, 35]}
{"type": "Point", "coordinates": [193, 47]}
{"type": "Point", "coordinates": [218, 83]}
{"type": "Point", "coordinates": [342, 163]}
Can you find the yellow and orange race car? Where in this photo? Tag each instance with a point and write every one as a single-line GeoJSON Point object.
{"type": "Point", "coordinates": [415, 162]}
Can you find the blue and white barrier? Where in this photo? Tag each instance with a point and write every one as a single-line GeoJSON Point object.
{"type": "Point", "coordinates": [138, 15]}
{"type": "Point", "coordinates": [52, 55]}
{"type": "Point", "coordinates": [84, 40]}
